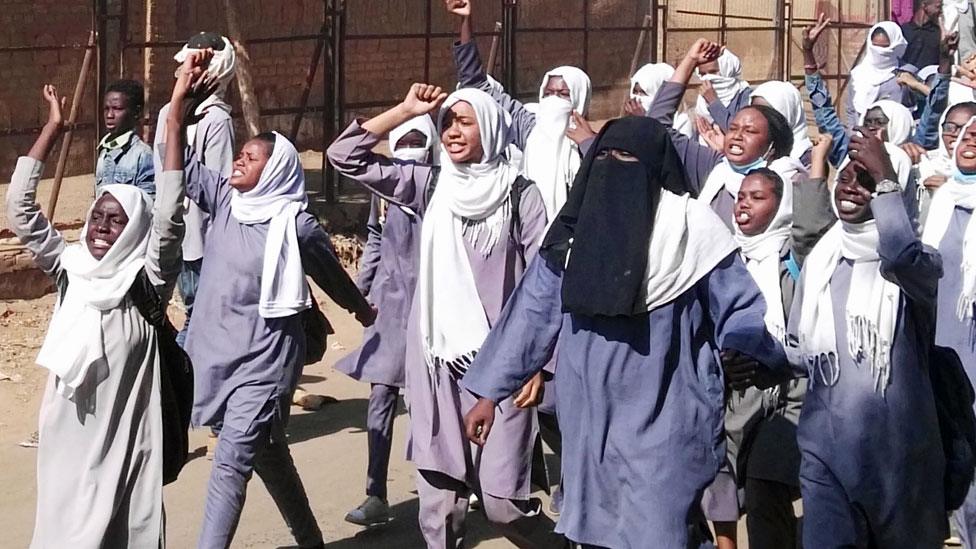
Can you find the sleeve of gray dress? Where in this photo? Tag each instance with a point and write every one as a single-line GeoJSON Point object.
{"type": "Point", "coordinates": [403, 183]}
{"type": "Point", "coordinates": [914, 267]}
{"type": "Point", "coordinates": [219, 152]}
{"type": "Point", "coordinates": [26, 221]}
{"type": "Point", "coordinates": [371, 251]}
{"type": "Point", "coordinates": [471, 74]}
{"type": "Point", "coordinates": [164, 257]}
{"type": "Point", "coordinates": [723, 115]}
{"type": "Point", "coordinates": [698, 160]}
{"type": "Point", "coordinates": [812, 214]}
{"type": "Point", "coordinates": [320, 262]}
{"type": "Point", "coordinates": [736, 308]}
{"type": "Point", "coordinates": [201, 182]}
{"type": "Point", "coordinates": [532, 214]}
{"type": "Point", "coordinates": [523, 339]}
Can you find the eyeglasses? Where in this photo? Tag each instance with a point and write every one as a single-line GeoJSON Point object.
{"type": "Point", "coordinates": [875, 122]}
{"type": "Point", "coordinates": [951, 127]}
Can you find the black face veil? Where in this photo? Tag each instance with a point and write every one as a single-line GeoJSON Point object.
{"type": "Point", "coordinates": [609, 216]}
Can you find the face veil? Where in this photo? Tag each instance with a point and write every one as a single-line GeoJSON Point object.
{"type": "Point", "coordinates": [601, 235]}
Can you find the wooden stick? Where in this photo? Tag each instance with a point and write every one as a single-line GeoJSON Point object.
{"type": "Point", "coordinates": [309, 79]}
{"type": "Point", "coordinates": [69, 133]}
{"type": "Point", "coordinates": [641, 38]}
{"type": "Point", "coordinates": [245, 83]}
{"type": "Point", "coordinates": [493, 52]}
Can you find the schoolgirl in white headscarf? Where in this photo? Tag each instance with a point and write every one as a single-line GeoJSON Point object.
{"type": "Point", "coordinates": [877, 67]}
{"type": "Point", "coordinates": [900, 122]}
{"type": "Point", "coordinates": [472, 202]}
{"type": "Point", "coordinates": [786, 99]}
{"type": "Point", "coordinates": [552, 159]}
{"type": "Point", "coordinates": [650, 78]}
{"type": "Point", "coordinates": [727, 83]}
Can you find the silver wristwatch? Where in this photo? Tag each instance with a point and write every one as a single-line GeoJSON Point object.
{"type": "Point", "coordinates": [886, 186]}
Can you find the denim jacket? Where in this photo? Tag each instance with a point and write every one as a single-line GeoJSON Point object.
{"type": "Point", "coordinates": [130, 164]}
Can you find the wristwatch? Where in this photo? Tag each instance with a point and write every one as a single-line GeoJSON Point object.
{"type": "Point", "coordinates": [886, 186]}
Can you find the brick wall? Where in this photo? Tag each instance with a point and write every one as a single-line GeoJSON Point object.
{"type": "Point", "coordinates": [377, 70]}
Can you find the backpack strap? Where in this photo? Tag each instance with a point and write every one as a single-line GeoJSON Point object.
{"type": "Point", "coordinates": [518, 187]}
{"type": "Point", "coordinates": [147, 300]}
{"type": "Point", "coordinates": [435, 174]}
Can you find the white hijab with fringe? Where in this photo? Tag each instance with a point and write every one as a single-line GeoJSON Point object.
{"type": "Point", "coordinates": [471, 203]}
{"type": "Point", "coordinates": [75, 340]}
{"type": "Point", "coordinates": [277, 199]}
{"type": "Point", "coordinates": [872, 305]}
{"type": "Point", "coordinates": [953, 194]}
{"type": "Point", "coordinates": [551, 158]}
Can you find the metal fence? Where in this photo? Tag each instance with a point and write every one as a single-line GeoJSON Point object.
{"type": "Point", "coordinates": [362, 54]}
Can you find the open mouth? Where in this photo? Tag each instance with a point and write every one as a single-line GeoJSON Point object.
{"type": "Point", "coordinates": [743, 217]}
{"type": "Point", "coordinates": [846, 206]}
{"type": "Point", "coordinates": [736, 150]}
{"type": "Point", "coordinates": [968, 154]}
{"type": "Point", "coordinates": [237, 173]}
{"type": "Point", "coordinates": [455, 147]}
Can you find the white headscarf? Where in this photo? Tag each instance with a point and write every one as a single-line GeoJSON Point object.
{"type": "Point", "coordinates": [727, 83]}
{"type": "Point", "coordinates": [900, 121]}
{"type": "Point", "coordinates": [277, 199]}
{"type": "Point", "coordinates": [877, 67]}
{"type": "Point", "coordinates": [551, 159]}
{"type": "Point", "coordinates": [651, 77]}
{"type": "Point", "coordinates": [223, 66]}
{"type": "Point", "coordinates": [422, 124]}
{"type": "Point", "coordinates": [785, 98]}
{"type": "Point", "coordinates": [762, 256]}
{"type": "Point", "coordinates": [950, 195]}
{"type": "Point", "coordinates": [872, 301]}
{"type": "Point", "coordinates": [75, 341]}
{"type": "Point", "coordinates": [471, 203]}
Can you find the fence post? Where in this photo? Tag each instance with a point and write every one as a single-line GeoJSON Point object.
{"type": "Point", "coordinates": [509, 22]}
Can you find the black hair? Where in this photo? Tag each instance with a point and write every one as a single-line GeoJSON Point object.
{"type": "Point", "coordinates": [879, 32]}
{"type": "Point", "coordinates": [772, 177]}
{"type": "Point", "coordinates": [132, 90]}
{"type": "Point", "coordinates": [780, 133]}
{"type": "Point", "coordinates": [917, 5]}
{"type": "Point", "coordinates": [969, 106]}
{"type": "Point", "coordinates": [206, 40]}
{"type": "Point", "coordinates": [268, 138]}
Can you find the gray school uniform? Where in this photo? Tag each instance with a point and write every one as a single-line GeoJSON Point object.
{"type": "Point", "coordinates": [890, 90]}
{"type": "Point", "coordinates": [872, 465]}
{"type": "Point", "coordinates": [640, 399]}
{"type": "Point", "coordinates": [110, 436]}
{"type": "Point", "coordinates": [450, 465]}
{"type": "Point", "coordinates": [246, 366]}
{"type": "Point", "coordinates": [958, 335]}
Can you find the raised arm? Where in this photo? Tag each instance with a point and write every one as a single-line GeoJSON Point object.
{"type": "Point", "coordinates": [904, 260]}
{"type": "Point", "coordinates": [403, 183]}
{"type": "Point", "coordinates": [699, 160]}
{"type": "Point", "coordinates": [812, 213]}
{"type": "Point", "coordinates": [23, 213]}
{"type": "Point", "coordinates": [471, 73]}
{"type": "Point", "coordinates": [823, 106]}
{"type": "Point", "coordinates": [927, 131]}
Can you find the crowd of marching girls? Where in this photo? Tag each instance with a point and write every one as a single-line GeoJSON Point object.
{"type": "Point", "coordinates": [708, 310]}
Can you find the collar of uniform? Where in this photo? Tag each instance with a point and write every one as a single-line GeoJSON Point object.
{"type": "Point", "coordinates": [109, 143]}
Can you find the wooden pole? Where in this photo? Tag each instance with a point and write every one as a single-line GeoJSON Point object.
{"type": "Point", "coordinates": [245, 83]}
{"type": "Point", "coordinates": [309, 79]}
{"type": "Point", "coordinates": [69, 133]}
{"type": "Point", "coordinates": [641, 38]}
{"type": "Point", "coordinates": [493, 52]}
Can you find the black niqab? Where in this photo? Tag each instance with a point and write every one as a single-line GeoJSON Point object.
{"type": "Point", "coordinates": [609, 215]}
